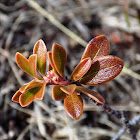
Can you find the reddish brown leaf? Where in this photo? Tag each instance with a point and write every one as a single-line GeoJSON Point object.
{"type": "Point", "coordinates": [57, 93]}
{"type": "Point", "coordinates": [28, 66]}
{"type": "Point", "coordinates": [16, 96]}
{"type": "Point", "coordinates": [81, 69]}
{"type": "Point", "coordinates": [74, 105]}
{"type": "Point", "coordinates": [59, 58]}
{"type": "Point", "coordinates": [92, 94]}
{"type": "Point", "coordinates": [41, 51]}
{"type": "Point", "coordinates": [68, 89]}
{"type": "Point", "coordinates": [28, 96]}
{"type": "Point", "coordinates": [102, 70]}
{"type": "Point", "coordinates": [99, 46]}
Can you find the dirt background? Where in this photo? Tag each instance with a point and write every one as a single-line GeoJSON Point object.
{"type": "Point", "coordinates": [21, 26]}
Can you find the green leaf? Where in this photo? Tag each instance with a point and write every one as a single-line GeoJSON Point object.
{"type": "Point", "coordinates": [16, 96]}
{"type": "Point", "coordinates": [73, 104]}
{"type": "Point", "coordinates": [41, 51]}
{"type": "Point", "coordinates": [102, 70]}
{"type": "Point", "coordinates": [59, 57]}
{"type": "Point", "coordinates": [28, 66]}
{"type": "Point", "coordinates": [51, 66]}
{"type": "Point", "coordinates": [40, 94]}
{"type": "Point", "coordinates": [81, 69]}
{"type": "Point", "coordinates": [68, 89]}
{"type": "Point", "coordinates": [99, 46]}
{"type": "Point", "coordinates": [57, 93]}
{"type": "Point", "coordinates": [24, 87]}
{"type": "Point", "coordinates": [92, 94]}
{"type": "Point", "coordinates": [33, 83]}
{"type": "Point", "coordinates": [28, 96]}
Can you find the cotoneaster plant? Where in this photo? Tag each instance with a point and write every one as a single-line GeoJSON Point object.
{"type": "Point", "coordinates": [96, 67]}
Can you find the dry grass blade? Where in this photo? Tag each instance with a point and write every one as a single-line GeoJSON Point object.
{"type": "Point", "coordinates": [12, 65]}
{"type": "Point", "coordinates": [48, 110]}
{"type": "Point", "coordinates": [17, 107]}
{"type": "Point", "coordinates": [21, 136]}
{"type": "Point", "coordinates": [54, 21]}
{"type": "Point", "coordinates": [131, 73]}
{"type": "Point", "coordinates": [40, 123]}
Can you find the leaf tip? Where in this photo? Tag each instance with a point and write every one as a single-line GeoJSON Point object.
{"type": "Point", "coordinates": [73, 105]}
{"type": "Point", "coordinates": [17, 56]}
{"type": "Point", "coordinates": [16, 96]}
{"type": "Point", "coordinates": [59, 58]}
{"type": "Point", "coordinates": [22, 102]}
{"type": "Point", "coordinates": [57, 94]}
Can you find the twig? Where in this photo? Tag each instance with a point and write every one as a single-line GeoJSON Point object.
{"type": "Point", "coordinates": [20, 137]}
{"type": "Point", "coordinates": [26, 111]}
{"type": "Point", "coordinates": [120, 116]}
{"type": "Point", "coordinates": [129, 126]}
{"type": "Point", "coordinates": [135, 120]}
{"type": "Point", "coordinates": [119, 134]}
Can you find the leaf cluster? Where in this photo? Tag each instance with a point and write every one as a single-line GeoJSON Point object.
{"type": "Point", "coordinates": [95, 67]}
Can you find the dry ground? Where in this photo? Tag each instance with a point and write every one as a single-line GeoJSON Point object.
{"type": "Point", "coordinates": [21, 26]}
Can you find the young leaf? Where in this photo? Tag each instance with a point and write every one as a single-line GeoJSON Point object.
{"type": "Point", "coordinates": [16, 96]}
{"type": "Point", "coordinates": [41, 51]}
{"type": "Point", "coordinates": [51, 65]}
{"type": "Point", "coordinates": [28, 66]}
{"type": "Point", "coordinates": [99, 46]}
{"type": "Point", "coordinates": [40, 94]}
{"type": "Point", "coordinates": [33, 83]}
{"type": "Point", "coordinates": [23, 88]}
{"type": "Point", "coordinates": [57, 93]}
{"type": "Point", "coordinates": [68, 89]}
{"type": "Point", "coordinates": [92, 94]}
{"type": "Point", "coordinates": [102, 70]}
{"type": "Point", "coordinates": [81, 69]}
{"type": "Point", "coordinates": [59, 58]}
{"type": "Point", "coordinates": [74, 105]}
{"type": "Point", "coordinates": [28, 96]}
